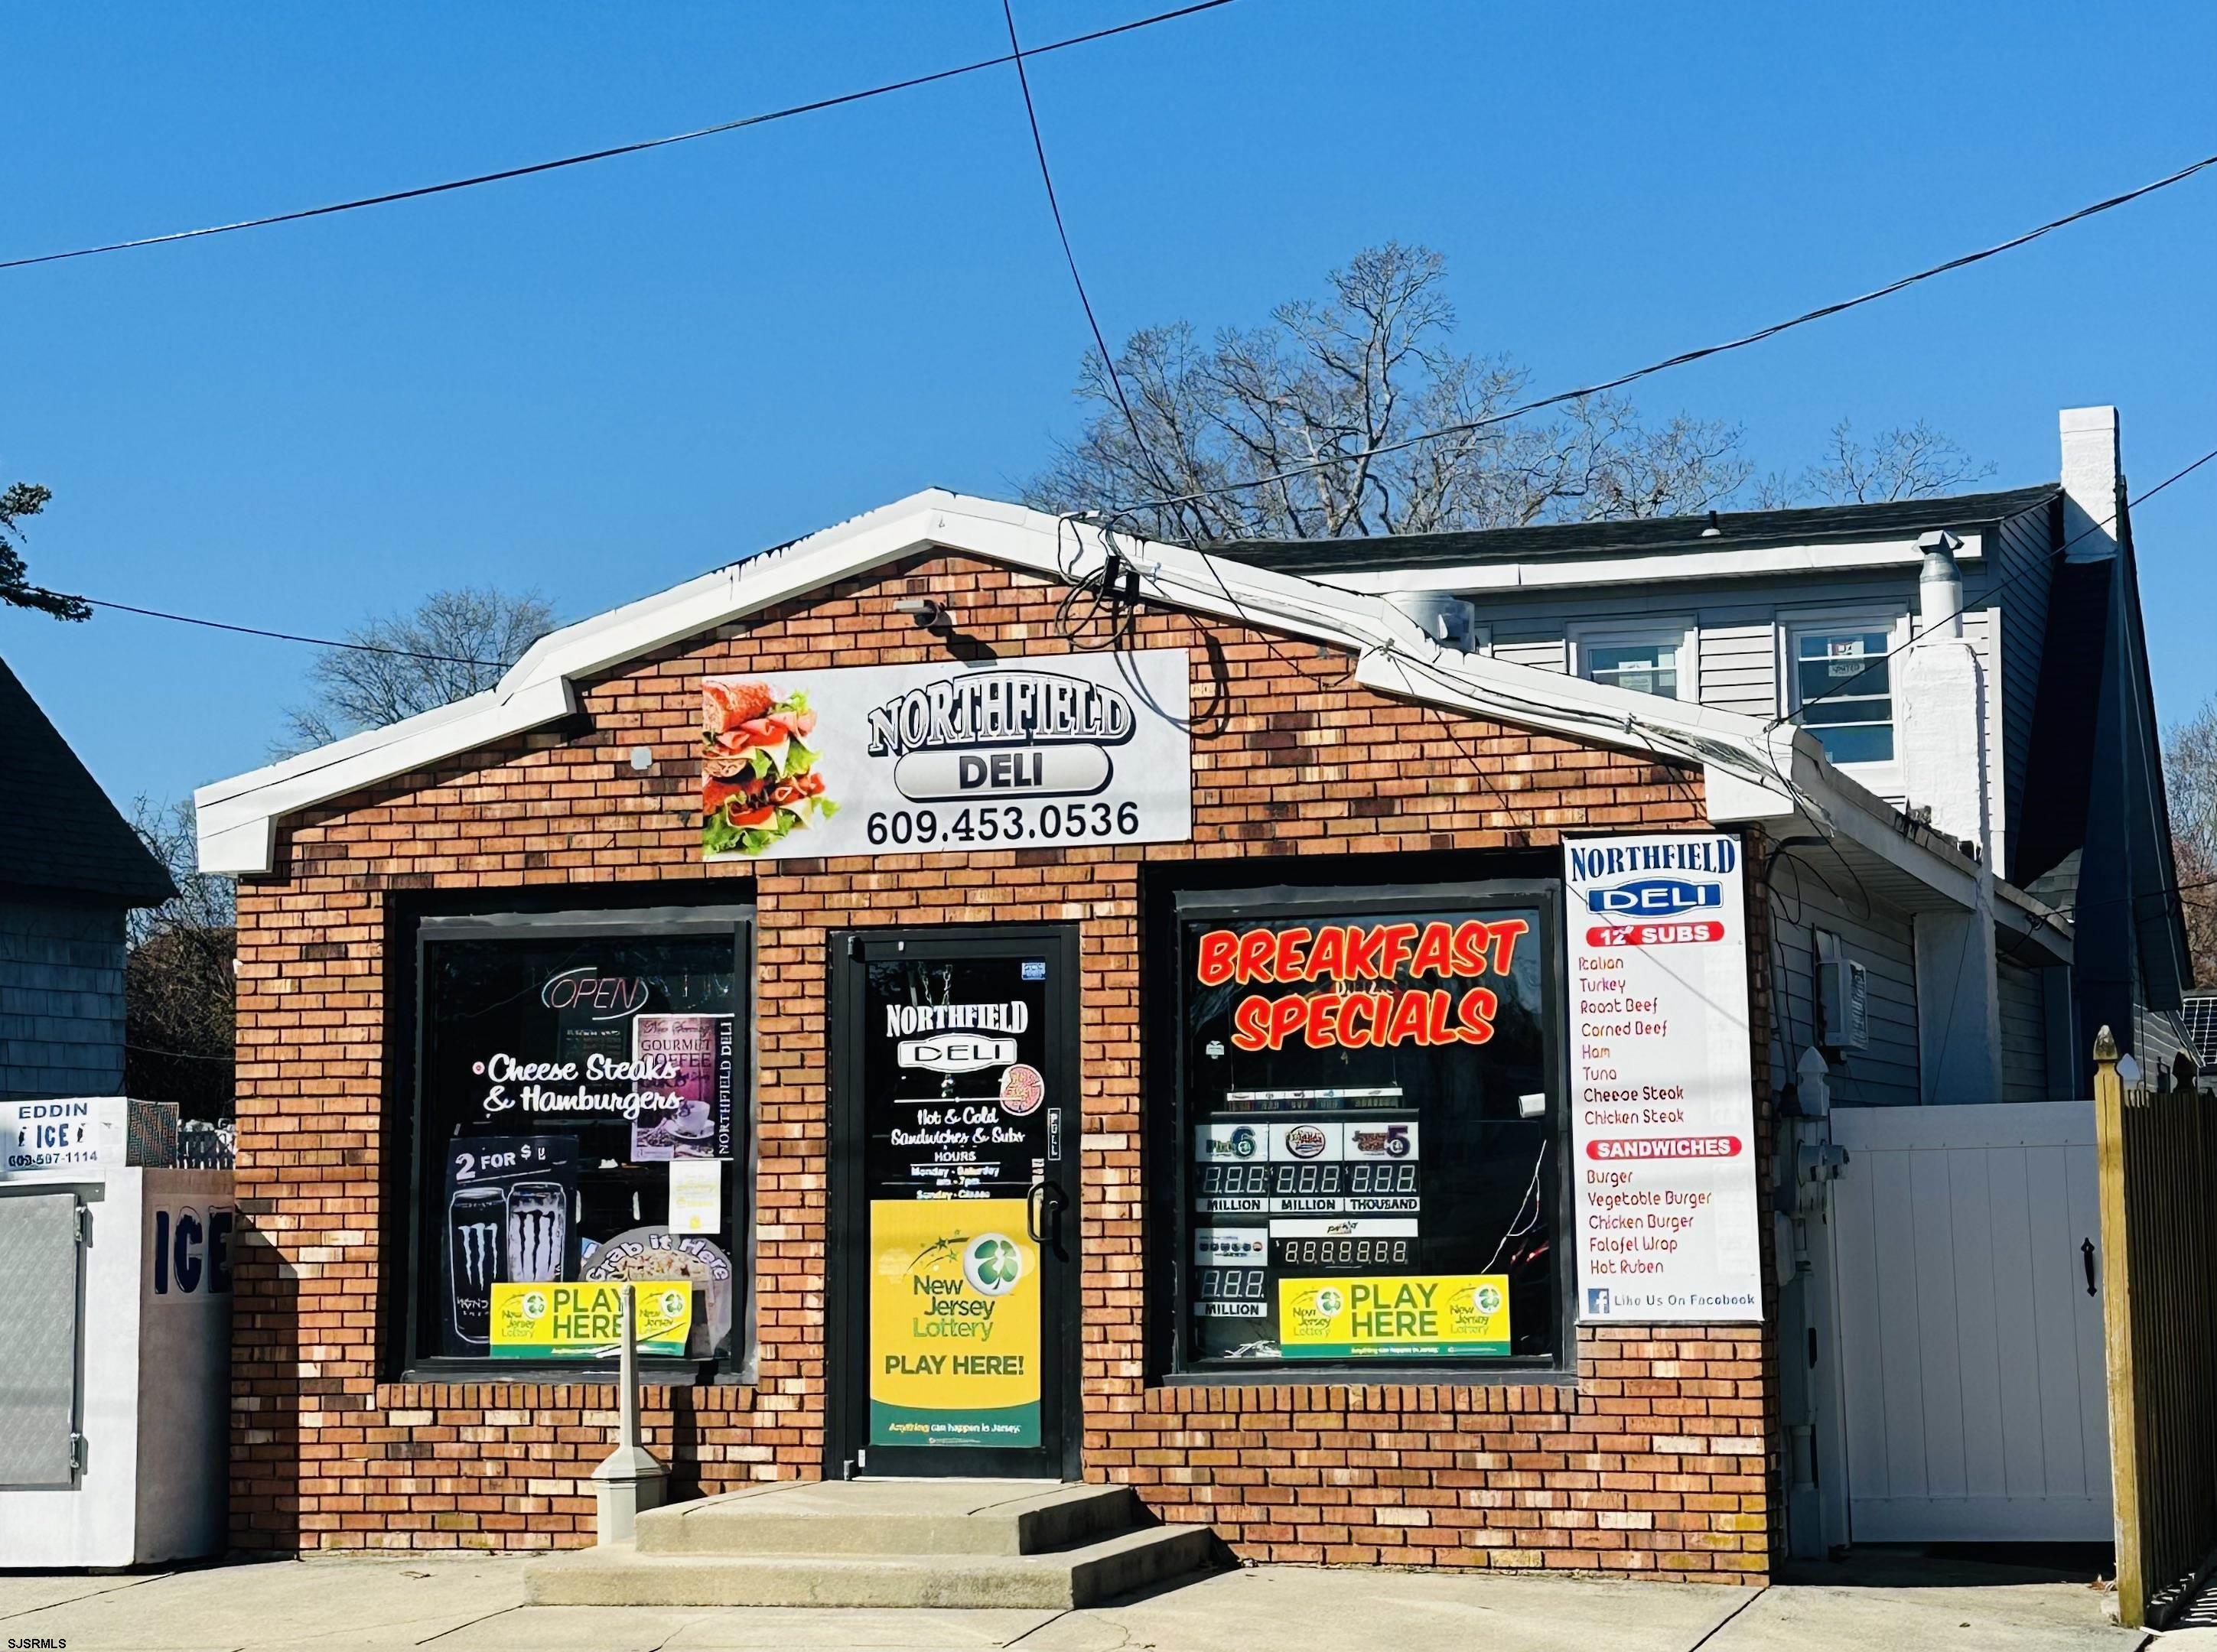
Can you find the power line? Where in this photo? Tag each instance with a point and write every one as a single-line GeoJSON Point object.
{"type": "Point", "coordinates": [288, 636]}
{"type": "Point", "coordinates": [1993, 591]}
{"type": "Point", "coordinates": [1062, 233]}
{"type": "Point", "coordinates": [531, 169]}
{"type": "Point", "coordinates": [1678, 361]}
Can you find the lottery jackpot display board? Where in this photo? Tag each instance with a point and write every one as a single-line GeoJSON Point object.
{"type": "Point", "coordinates": [1369, 1161]}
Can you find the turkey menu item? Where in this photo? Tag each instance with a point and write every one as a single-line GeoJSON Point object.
{"type": "Point", "coordinates": [757, 769]}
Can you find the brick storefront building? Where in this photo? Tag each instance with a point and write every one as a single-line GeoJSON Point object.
{"type": "Point", "coordinates": [575, 789]}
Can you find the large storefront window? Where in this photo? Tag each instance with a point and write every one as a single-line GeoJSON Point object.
{"type": "Point", "coordinates": [1369, 1137]}
{"type": "Point", "coordinates": [582, 1121]}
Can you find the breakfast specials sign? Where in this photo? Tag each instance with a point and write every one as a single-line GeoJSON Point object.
{"type": "Point", "coordinates": [1662, 1090]}
{"type": "Point", "coordinates": [1072, 749]}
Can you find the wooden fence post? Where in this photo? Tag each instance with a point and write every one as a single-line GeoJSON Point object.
{"type": "Point", "coordinates": [2117, 1332]}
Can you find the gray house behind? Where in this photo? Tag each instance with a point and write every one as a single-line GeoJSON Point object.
{"type": "Point", "coordinates": [2032, 743]}
{"type": "Point", "coordinates": [70, 870]}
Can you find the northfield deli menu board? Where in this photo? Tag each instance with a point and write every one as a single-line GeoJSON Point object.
{"type": "Point", "coordinates": [1369, 1169]}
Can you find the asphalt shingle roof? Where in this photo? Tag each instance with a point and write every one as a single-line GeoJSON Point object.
{"type": "Point", "coordinates": [1650, 536]}
{"type": "Point", "coordinates": [58, 831]}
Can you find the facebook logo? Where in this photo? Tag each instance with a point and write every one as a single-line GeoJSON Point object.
{"type": "Point", "coordinates": [1596, 1300]}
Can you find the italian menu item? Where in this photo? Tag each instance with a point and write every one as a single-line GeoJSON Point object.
{"type": "Point", "coordinates": [758, 779]}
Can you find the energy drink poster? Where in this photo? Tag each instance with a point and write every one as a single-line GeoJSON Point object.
{"type": "Point", "coordinates": [510, 1217]}
{"type": "Point", "coordinates": [954, 1324]}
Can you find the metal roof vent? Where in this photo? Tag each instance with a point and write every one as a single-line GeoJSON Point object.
{"type": "Point", "coordinates": [1450, 621]}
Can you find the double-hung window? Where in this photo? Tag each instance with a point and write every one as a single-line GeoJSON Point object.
{"type": "Point", "coordinates": [1647, 659]}
{"type": "Point", "coordinates": [1840, 686]}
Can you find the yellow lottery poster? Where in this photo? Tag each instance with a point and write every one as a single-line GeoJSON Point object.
{"type": "Point", "coordinates": [584, 1322]}
{"type": "Point", "coordinates": [954, 1324]}
{"type": "Point", "coordinates": [1399, 1316]}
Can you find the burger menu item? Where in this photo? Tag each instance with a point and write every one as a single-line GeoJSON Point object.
{"type": "Point", "coordinates": [757, 769]}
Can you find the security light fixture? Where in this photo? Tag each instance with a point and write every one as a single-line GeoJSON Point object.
{"type": "Point", "coordinates": [928, 611]}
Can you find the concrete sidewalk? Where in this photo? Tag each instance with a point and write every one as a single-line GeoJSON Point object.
{"type": "Point", "coordinates": [472, 1603]}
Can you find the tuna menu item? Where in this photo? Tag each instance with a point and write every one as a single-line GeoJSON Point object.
{"type": "Point", "coordinates": [758, 769]}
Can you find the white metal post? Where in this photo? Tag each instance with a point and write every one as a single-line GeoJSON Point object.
{"type": "Point", "coordinates": [630, 1479]}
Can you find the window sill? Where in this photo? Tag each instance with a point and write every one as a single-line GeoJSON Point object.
{"type": "Point", "coordinates": [654, 1373]}
{"type": "Point", "coordinates": [1373, 1377]}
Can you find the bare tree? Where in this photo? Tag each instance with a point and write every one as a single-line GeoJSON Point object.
{"type": "Point", "coordinates": [19, 503]}
{"type": "Point", "coordinates": [1910, 462]}
{"type": "Point", "coordinates": [180, 992]}
{"type": "Point", "coordinates": [2189, 773]}
{"type": "Point", "coordinates": [1322, 386]}
{"type": "Point", "coordinates": [455, 644]}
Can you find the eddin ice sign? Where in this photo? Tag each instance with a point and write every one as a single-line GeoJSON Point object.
{"type": "Point", "coordinates": [1662, 1091]}
{"type": "Point", "coordinates": [1076, 748]}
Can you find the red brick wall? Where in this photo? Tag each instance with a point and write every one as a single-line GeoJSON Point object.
{"type": "Point", "coordinates": [1655, 1459]}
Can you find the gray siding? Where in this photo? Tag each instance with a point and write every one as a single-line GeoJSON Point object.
{"type": "Point", "coordinates": [2024, 1035]}
{"type": "Point", "coordinates": [1739, 665]}
{"type": "Point", "coordinates": [61, 999]}
{"type": "Point", "coordinates": [1739, 622]}
{"type": "Point", "coordinates": [2159, 1043]}
{"type": "Point", "coordinates": [1885, 1073]}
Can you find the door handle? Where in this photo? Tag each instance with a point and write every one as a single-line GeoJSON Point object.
{"type": "Point", "coordinates": [2086, 1255]}
{"type": "Point", "coordinates": [1043, 1213]}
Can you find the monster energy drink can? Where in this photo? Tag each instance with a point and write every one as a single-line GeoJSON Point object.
{"type": "Point", "coordinates": [476, 1257]}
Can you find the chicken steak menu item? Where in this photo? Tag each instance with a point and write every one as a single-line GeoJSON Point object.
{"type": "Point", "coordinates": [758, 767]}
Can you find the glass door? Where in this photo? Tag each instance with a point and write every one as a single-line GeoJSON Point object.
{"type": "Point", "coordinates": [955, 1250]}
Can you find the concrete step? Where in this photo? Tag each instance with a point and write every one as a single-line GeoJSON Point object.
{"type": "Point", "coordinates": [620, 1574]}
{"type": "Point", "coordinates": [892, 1517]}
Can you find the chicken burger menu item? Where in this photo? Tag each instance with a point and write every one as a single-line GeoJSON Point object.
{"type": "Point", "coordinates": [757, 769]}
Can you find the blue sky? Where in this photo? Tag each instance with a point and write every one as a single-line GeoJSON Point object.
{"type": "Point", "coordinates": [602, 381]}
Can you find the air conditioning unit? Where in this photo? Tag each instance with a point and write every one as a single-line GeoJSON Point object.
{"type": "Point", "coordinates": [1842, 1004]}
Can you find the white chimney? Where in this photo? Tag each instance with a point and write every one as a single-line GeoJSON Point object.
{"type": "Point", "coordinates": [1940, 586]}
{"type": "Point", "coordinates": [1940, 723]}
{"type": "Point", "coordinates": [2093, 489]}
{"type": "Point", "coordinates": [1939, 705]}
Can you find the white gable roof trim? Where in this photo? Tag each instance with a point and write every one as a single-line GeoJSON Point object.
{"type": "Point", "coordinates": [1746, 763]}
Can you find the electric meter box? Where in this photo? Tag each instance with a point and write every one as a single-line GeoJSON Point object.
{"type": "Point", "coordinates": [1843, 1004]}
{"type": "Point", "coordinates": [115, 1344]}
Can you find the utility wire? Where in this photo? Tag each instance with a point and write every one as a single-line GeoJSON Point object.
{"type": "Point", "coordinates": [1994, 590]}
{"type": "Point", "coordinates": [288, 636]}
{"type": "Point", "coordinates": [590, 156]}
{"type": "Point", "coordinates": [1062, 233]}
{"type": "Point", "coordinates": [1680, 360]}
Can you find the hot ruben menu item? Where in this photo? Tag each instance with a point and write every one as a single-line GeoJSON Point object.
{"type": "Point", "coordinates": [1662, 1092]}
{"type": "Point", "coordinates": [1343, 1064]}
